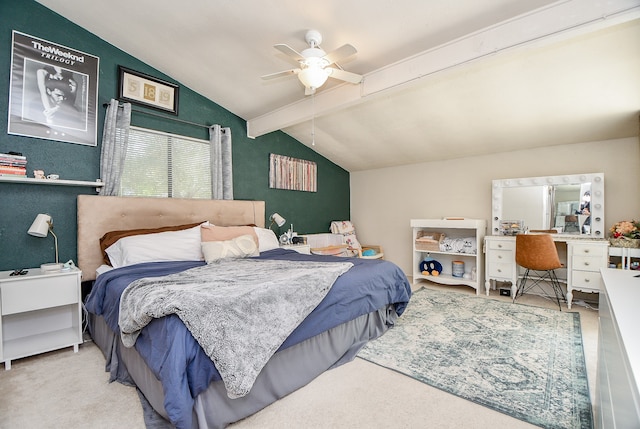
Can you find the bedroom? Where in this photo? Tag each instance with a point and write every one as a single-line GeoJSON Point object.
{"type": "Point", "coordinates": [379, 200]}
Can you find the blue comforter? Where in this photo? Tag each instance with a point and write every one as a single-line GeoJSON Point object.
{"type": "Point", "coordinates": [181, 365]}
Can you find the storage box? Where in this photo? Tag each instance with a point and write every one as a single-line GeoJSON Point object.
{"type": "Point", "coordinates": [428, 240]}
{"type": "Point", "coordinates": [511, 227]}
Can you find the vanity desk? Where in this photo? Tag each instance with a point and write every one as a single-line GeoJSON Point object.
{"type": "Point", "coordinates": [571, 205]}
{"type": "Point", "coordinates": [582, 259]}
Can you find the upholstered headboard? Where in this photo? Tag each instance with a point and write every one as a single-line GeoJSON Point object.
{"type": "Point", "coordinates": [99, 214]}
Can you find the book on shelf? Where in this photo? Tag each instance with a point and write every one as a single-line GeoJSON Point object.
{"type": "Point", "coordinates": [9, 160]}
{"type": "Point", "coordinates": [10, 170]}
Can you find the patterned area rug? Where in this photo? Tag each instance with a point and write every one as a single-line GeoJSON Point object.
{"type": "Point", "coordinates": [523, 361]}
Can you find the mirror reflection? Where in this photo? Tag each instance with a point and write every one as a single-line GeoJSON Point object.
{"type": "Point", "coordinates": [562, 204]}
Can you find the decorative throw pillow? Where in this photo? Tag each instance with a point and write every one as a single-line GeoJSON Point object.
{"type": "Point", "coordinates": [225, 233]}
{"type": "Point", "coordinates": [238, 247]}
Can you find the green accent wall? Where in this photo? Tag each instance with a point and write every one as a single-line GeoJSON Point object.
{"type": "Point", "coordinates": [310, 212]}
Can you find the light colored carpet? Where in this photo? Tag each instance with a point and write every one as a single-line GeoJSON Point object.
{"type": "Point", "coordinates": [66, 390]}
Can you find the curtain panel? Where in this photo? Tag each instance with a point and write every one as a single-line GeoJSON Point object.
{"type": "Point", "coordinates": [221, 163]}
{"type": "Point", "coordinates": [114, 146]}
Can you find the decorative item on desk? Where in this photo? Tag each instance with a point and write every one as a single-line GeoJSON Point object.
{"type": "Point", "coordinates": [38, 174]}
{"type": "Point", "coordinates": [625, 234]}
{"type": "Point", "coordinates": [511, 227]}
{"type": "Point", "coordinates": [41, 227]}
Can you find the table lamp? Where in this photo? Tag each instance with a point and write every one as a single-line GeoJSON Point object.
{"type": "Point", "coordinates": [41, 227]}
{"type": "Point", "coordinates": [277, 219]}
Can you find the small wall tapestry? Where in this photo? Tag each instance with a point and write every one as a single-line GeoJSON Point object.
{"type": "Point", "coordinates": [293, 174]}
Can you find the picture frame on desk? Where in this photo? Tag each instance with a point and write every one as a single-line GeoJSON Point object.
{"type": "Point", "coordinates": [145, 90]}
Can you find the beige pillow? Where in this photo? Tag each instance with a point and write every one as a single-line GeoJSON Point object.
{"type": "Point", "coordinates": [238, 247]}
{"type": "Point", "coordinates": [225, 233]}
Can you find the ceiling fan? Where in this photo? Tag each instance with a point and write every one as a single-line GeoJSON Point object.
{"type": "Point", "coordinates": [314, 63]}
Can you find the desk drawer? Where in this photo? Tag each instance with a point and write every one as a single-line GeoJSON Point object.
{"type": "Point", "coordinates": [38, 293]}
{"type": "Point", "coordinates": [586, 263]}
{"type": "Point", "coordinates": [502, 244]}
{"type": "Point", "coordinates": [501, 270]}
{"type": "Point", "coordinates": [501, 256]}
{"type": "Point", "coordinates": [586, 280]}
{"type": "Point", "coordinates": [589, 250]}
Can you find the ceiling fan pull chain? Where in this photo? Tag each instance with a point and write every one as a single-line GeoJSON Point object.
{"type": "Point", "coordinates": [313, 119]}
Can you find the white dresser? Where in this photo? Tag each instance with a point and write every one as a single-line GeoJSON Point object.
{"type": "Point", "coordinates": [582, 257]}
{"type": "Point", "coordinates": [618, 377]}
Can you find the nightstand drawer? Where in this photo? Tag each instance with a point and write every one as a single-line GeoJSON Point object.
{"type": "Point", "coordinates": [38, 293]}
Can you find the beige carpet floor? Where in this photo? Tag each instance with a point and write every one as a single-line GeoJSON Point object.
{"type": "Point", "coordinates": [62, 389]}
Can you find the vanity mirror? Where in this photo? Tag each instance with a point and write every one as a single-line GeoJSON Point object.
{"type": "Point", "coordinates": [551, 202]}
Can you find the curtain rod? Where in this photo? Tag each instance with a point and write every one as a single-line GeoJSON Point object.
{"type": "Point", "coordinates": [144, 112]}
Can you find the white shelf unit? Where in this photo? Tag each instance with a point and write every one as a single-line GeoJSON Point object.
{"type": "Point", "coordinates": [39, 312]}
{"type": "Point", "coordinates": [58, 182]}
{"type": "Point", "coordinates": [452, 228]}
{"type": "Point", "coordinates": [624, 256]}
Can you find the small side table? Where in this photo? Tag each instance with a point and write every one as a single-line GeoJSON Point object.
{"type": "Point", "coordinates": [300, 248]}
{"type": "Point", "coordinates": [39, 312]}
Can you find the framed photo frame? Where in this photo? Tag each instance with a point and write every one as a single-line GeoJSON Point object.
{"type": "Point", "coordinates": [54, 91]}
{"type": "Point", "coordinates": [140, 88]}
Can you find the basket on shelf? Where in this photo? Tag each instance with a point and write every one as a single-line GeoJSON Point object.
{"type": "Point", "coordinates": [625, 242]}
{"type": "Point", "coordinates": [428, 241]}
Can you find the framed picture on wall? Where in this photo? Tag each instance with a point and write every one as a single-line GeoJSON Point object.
{"type": "Point", "coordinates": [53, 93]}
{"type": "Point", "coordinates": [136, 87]}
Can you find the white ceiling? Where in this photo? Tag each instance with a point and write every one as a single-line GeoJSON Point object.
{"type": "Point", "coordinates": [443, 79]}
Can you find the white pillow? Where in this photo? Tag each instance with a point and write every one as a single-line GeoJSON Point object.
{"type": "Point", "coordinates": [239, 247]}
{"type": "Point", "coordinates": [162, 246]}
{"type": "Point", "coordinates": [267, 239]}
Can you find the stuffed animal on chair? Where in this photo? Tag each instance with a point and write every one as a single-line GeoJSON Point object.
{"type": "Point", "coordinates": [430, 267]}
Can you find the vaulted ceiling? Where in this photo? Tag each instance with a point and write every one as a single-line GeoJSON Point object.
{"type": "Point", "coordinates": [442, 79]}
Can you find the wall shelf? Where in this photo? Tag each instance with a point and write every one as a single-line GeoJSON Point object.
{"type": "Point", "coordinates": [59, 182]}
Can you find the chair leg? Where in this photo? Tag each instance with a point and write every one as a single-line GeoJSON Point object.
{"type": "Point", "coordinates": [557, 289]}
{"type": "Point", "coordinates": [523, 282]}
{"type": "Point", "coordinates": [545, 276]}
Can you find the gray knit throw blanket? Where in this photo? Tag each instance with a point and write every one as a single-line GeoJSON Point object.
{"type": "Point", "coordinates": [239, 310]}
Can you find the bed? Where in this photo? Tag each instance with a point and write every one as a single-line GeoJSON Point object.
{"type": "Point", "coordinates": [174, 372]}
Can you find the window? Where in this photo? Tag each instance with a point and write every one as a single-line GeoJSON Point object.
{"type": "Point", "coordinates": [159, 164]}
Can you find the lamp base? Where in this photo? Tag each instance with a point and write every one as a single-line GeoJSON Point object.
{"type": "Point", "coordinates": [52, 267]}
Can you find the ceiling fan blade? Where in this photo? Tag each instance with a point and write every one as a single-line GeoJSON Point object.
{"type": "Point", "coordinates": [289, 51]}
{"type": "Point", "coordinates": [344, 75]}
{"type": "Point", "coordinates": [280, 74]}
{"type": "Point", "coordinates": [341, 53]}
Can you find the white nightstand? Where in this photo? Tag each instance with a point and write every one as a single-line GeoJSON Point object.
{"type": "Point", "coordinates": [300, 248]}
{"type": "Point", "coordinates": [39, 312]}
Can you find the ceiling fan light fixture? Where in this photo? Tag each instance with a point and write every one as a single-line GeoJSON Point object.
{"type": "Point", "coordinates": [313, 77]}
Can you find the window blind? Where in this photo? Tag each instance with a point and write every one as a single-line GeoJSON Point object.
{"type": "Point", "coordinates": [160, 164]}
